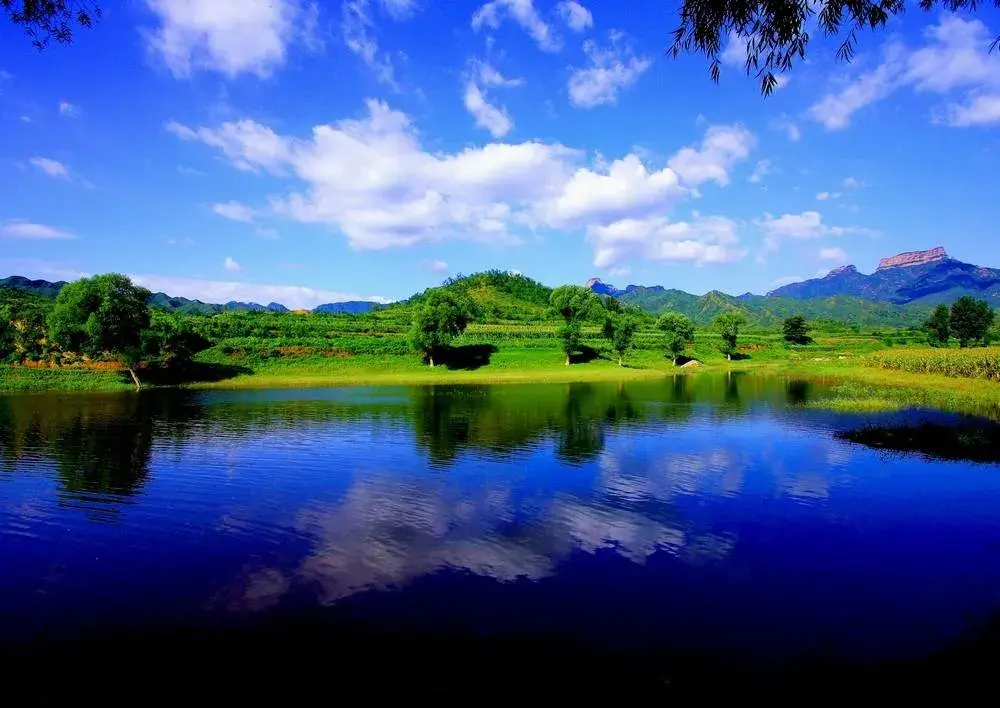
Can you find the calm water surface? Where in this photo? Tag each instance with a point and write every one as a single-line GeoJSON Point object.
{"type": "Point", "coordinates": [714, 514]}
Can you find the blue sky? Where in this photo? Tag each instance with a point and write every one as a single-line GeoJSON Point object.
{"type": "Point", "coordinates": [283, 150]}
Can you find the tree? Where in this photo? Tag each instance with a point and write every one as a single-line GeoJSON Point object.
{"type": "Point", "coordinates": [102, 315]}
{"type": "Point", "coordinates": [570, 335]}
{"type": "Point", "coordinates": [796, 330]}
{"type": "Point", "coordinates": [171, 339]}
{"type": "Point", "coordinates": [970, 320]}
{"type": "Point", "coordinates": [776, 33]}
{"type": "Point", "coordinates": [679, 330]}
{"type": "Point", "coordinates": [7, 333]}
{"type": "Point", "coordinates": [443, 316]}
{"type": "Point", "coordinates": [620, 328]}
{"type": "Point", "coordinates": [728, 326]}
{"type": "Point", "coordinates": [45, 20]}
{"type": "Point", "coordinates": [938, 326]}
{"type": "Point", "coordinates": [574, 302]}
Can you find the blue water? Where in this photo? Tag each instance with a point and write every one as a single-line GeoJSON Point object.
{"type": "Point", "coordinates": [716, 516]}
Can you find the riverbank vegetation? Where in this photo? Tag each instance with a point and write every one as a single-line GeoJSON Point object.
{"type": "Point", "coordinates": [486, 328]}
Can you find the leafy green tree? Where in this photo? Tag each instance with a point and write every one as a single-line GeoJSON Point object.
{"type": "Point", "coordinates": [776, 33]}
{"type": "Point", "coordinates": [171, 339]}
{"type": "Point", "coordinates": [796, 330]}
{"type": "Point", "coordinates": [570, 335]}
{"type": "Point", "coordinates": [45, 20]}
{"type": "Point", "coordinates": [102, 315]}
{"type": "Point", "coordinates": [939, 326]}
{"type": "Point", "coordinates": [728, 326]}
{"type": "Point", "coordinates": [620, 329]}
{"type": "Point", "coordinates": [7, 333]}
{"type": "Point", "coordinates": [970, 320]}
{"type": "Point", "coordinates": [443, 316]}
{"type": "Point", "coordinates": [574, 302]}
{"type": "Point", "coordinates": [679, 331]}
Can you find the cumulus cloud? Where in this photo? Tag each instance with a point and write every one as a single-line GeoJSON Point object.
{"type": "Point", "coordinates": [234, 211]}
{"type": "Point", "coordinates": [291, 296]}
{"type": "Point", "coordinates": [575, 15]}
{"type": "Point", "coordinates": [722, 147]}
{"type": "Point", "coordinates": [837, 255]}
{"type": "Point", "coordinates": [852, 183]}
{"type": "Point", "coordinates": [69, 110]}
{"type": "Point", "coordinates": [735, 53]}
{"type": "Point", "coordinates": [436, 266]}
{"type": "Point", "coordinates": [20, 228]}
{"type": "Point", "coordinates": [231, 37]}
{"type": "Point", "coordinates": [709, 239]}
{"type": "Point", "coordinates": [230, 264]}
{"type": "Point", "coordinates": [806, 225]}
{"type": "Point", "coordinates": [823, 196]}
{"type": "Point", "coordinates": [611, 69]}
{"type": "Point", "coordinates": [761, 170]}
{"type": "Point", "coordinates": [955, 57]}
{"type": "Point", "coordinates": [407, 195]}
{"type": "Point", "coordinates": [789, 127]}
{"type": "Point", "coordinates": [53, 168]}
{"type": "Point", "coordinates": [494, 119]}
{"type": "Point", "coordinates": [523, 12]}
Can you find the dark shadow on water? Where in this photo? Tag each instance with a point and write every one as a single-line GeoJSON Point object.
{"type": "Point", "coordinates": [585, 355]}
{"type": "Point", "coordinates": [191, 372]}
{"type": "Point", "coordinates": [469, 357]}
{"type": "Point", "coordinates": [973, 442]}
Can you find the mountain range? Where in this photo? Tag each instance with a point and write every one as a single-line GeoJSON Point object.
{"type": "Point", "coordinates": [185, 306]}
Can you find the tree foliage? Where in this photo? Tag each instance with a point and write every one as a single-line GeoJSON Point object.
{"type": "Point", "coordinates": [970, 320]}
{"type": "Point", "coordinates": [443, 316]}
{"type": "Point", "coordinates": [938, 326]}
{"type": "Point", "coordinates": [171, 339]}
{"type": "Point", "coordinates": [45, 20]}
{"type": "Point", "coordinates": [796, 330]}
{"type": "Point", "coordinates": [776, 32]}
{"type": "Point", "coordinates": [570, 335]}
{"type": "Point", "coordinates": [103, 314]}
{"type": "Point", "coordinates": [574, 302]}
{"type": "Point", "coordinates": [728, 326]}
{"type": "Point", "coordinates": [620, 330]}
{"type": "Point", "coordinates": [679, 331]}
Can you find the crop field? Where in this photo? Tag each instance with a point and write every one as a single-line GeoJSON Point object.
{"type": "Point", "coordinates": [979, 363]}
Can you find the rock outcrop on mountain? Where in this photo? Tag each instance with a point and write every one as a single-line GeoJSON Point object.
{"type": "Point", "coordinates": [602, 288]}
{"type": "Point", "coordinates": [927, 277]}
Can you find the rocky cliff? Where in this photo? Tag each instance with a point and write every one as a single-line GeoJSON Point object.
{"type": "Point", "coordinates": [912, 258]}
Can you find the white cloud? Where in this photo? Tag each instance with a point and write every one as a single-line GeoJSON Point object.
{"type": "Point", "coordinates": [189, 171]}
{"type": "Point", "coordinates": [234, 211]}
{"type": "Point", "coordinates": [735, 53]}
{"type": "Point", "coordinates": [788, 126]}
{"type": "Point", "coordinates": [357, 28]}
{"type": "Point", "coordinates": [231, 265]}
{"type": "Point", "coordinates": [523, 12]}
{"type": "Point", "coordinates": [19, 228]}
{"type": "Point", "coordinates": [489, 76]}
{"type": "Point", "coordinates": [621, 272]}
{"type": "Point", "coordinates": [291, 296]}
{"type": "Point", "coordinates": [436, 266]}
{"type": "Point", "coordinates": [781, 81]}
{"type": "Point", "coordinates": [824, 196]}
{"type": "Point", "coordinates": [852, 183]}
{"type": "Point", "coordinates": [806, 225]}
{"type": "Point", "coordinates": [487, 116]}
{"type": "Point", "coordinates": [761, 170]}
{"type": "Point", "coordinates": [231, 37]}
{"type": "Point", "coordinates": [53, 168]}
{"type": "Point", "coordinates": [955, 57]}
{"type": "Point", "coordinates": [721, 148]}
{"type": "Point", "coordinates": [836, 255]}
{"type": "Point", "coordinates": [406, 195]}
{"type": "Point", "coordinates": [785, 280]}
{"type": "Point", "coordinates": [611, 69]}
{"type": "Point", "coordinates": [575, 15]}
{"type": "Point", "coordinates": [709, 239]}
{"type": "Point", "coordinates": [25, 119]}
{"type": "Point", "coordinates": [400, 9]}
{"type": "Point", "coordinates": [69, 110]}
{"type": "Point", "coordinates": [978, 110]}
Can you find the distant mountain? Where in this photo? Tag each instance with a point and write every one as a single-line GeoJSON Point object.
{"type": "Point", "coordinates": [183, 305]}
{"type": "Point", "coordinates": [927, 277]}
{"type": "Point", "coordinates": [601, 288]}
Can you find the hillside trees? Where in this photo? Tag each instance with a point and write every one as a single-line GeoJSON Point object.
{"type": "Point", "coordinates": [796, 330]}
{"type": "Point", "coordinates": [728, 326]}
{"type": "Point", "coordinates": [970, 320]}
{"type": "Point", "coordinates": [102, 314]}
{"type": "Point", "coordinates": [939, 326]}
{"type": "Point", "coordinates": [441, 317]}
{"type": "Point", "coordinates": [679, 331]}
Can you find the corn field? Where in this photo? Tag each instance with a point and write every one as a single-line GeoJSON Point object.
{"type": "Point", "coordinates": [968, 363]}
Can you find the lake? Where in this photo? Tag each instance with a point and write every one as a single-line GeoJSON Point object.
{"type": "Point", "coordinates": [703, 521]}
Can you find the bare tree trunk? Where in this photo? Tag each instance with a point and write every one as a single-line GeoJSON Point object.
{"type": "Point", "coordinates": [567, 360]}
{"type": "Point", "coordinates": [729, 357]}
{"type": "Point", "coordinates": [621, 361]}
{"type": "Point", "coordinates": [675, 361]}
{"type": "Point", "coordinates": [138, 386]}
{"type": "Point", "coordinates": [430, 358]}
